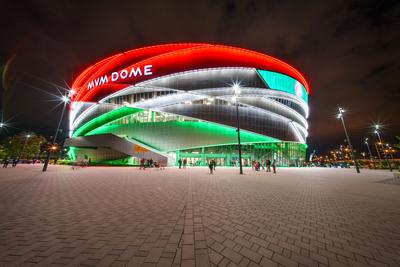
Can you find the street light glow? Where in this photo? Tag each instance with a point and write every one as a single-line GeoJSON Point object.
{"type": "Point", "coordinates": [340, 114]}
{"type": "Point", "coordinates": [65, 99]}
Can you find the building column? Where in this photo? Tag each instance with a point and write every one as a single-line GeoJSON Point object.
{"type": "Point", "coordinates": [203, 157]}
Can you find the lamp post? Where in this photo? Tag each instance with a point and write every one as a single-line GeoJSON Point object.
{"type": "Point", "coordinates": [236, 87]}
{"type": "Point", "coordinates": [369, 151]}
{"type": "Point", "coordinates": [377, 127]}
{"type": "Point", "coordinates": [65, 100]}
{"type": "Point", "coordinates": [23, 147]}
{"type": "Point", "coordinates": [2, 125]}
{"type": "Point", "coordinates": [340, 116]}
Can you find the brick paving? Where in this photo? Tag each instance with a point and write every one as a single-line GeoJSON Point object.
{"type": "Point", "coordinates": [127, 217]}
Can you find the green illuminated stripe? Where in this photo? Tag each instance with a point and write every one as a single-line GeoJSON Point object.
{"type": "Point", "coordinates": [167, 136]}
{"type": "Point", "coordinates": [103, 119]}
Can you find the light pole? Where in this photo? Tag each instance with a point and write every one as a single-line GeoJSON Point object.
{"type": "Point", "coordinates": [23, 147]}
{"type": "Point", "coordinates": [389, 149]}
{"type": "Point", "coordinates": [340, 116]}
{"type": "Point", "coordinates": [369, 151]}
{"type": "Point", "coordinates": [236, 87]}
{"type": "Point", "coordinates": [65, 100]}
{"type": "Point", "coordinates": [377, 126]}
{"type": "Point", "coordinates": [2, 125]}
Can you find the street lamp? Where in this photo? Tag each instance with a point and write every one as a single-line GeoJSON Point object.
{"type": "Point", "coordinates": [65, 99]}
{"type": "Point", "coordinates": [376, 131]}
{"type": "Point", "coordinates": [236, 88]}
{"type": "Point", "coordinates": [26, 140]}
{"type": "Point", "coordinates": [340, 116]}
{"type": "Point", "coordinates": [369, 151]}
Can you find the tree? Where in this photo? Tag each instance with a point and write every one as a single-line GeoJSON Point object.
{"type": "Point", "coordinates": [398, 144]}
{"type": "Point", "coordinates": [24, 145]}
{"type": "Point", "coordinates": [3, 152]}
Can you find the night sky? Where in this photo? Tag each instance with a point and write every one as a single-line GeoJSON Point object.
{"type": "Point", "coordinates": [349, 51]}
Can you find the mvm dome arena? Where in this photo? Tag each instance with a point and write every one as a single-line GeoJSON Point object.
{"type": "Point", "coordinates": [178, 101]}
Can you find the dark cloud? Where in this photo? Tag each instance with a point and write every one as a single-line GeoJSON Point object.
{"type": "Point", "coordinates": [348, 50]}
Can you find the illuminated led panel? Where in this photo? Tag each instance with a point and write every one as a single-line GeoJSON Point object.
{"type": "Point", "coordinates": [281, 82]}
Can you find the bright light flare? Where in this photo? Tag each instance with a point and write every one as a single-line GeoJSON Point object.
{"type": "Point", "coordinates": [65, 99]}
{"type": "Point", "coordinates": [236, 87]}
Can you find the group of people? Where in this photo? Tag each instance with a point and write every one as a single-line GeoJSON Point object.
{"type": "Point", "coordinates": [149, 163]}
{"type": "Point", "coordinates": [7, 161]}
{"type": "Point", "coordinates": [268, 164]}
{"type": "Point", "coordinates": [182, 163]}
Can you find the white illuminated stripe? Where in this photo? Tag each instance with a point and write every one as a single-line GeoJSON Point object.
{"type": "Point", "coordinates": [197, 71]}
{"type": "Point", "coordinates": [133, 89]}
{"type": "Point", "coordinates": [76, 108]}
{"type": "Point", "coordinates": [182, 96]}
{"type": "Point", "coordinates": [168, 100]}
{"type": "Point", "coordinates": [301, 128]}
{"type": "Point", "coordinates": [258, 92]}
{"type": "Point", "coordinates": [144, 86]}
{"type": "Point", "coordinates": [290, 110]}
{"type": "Point", "coordinates": [190, 96]}
{"type": "Point", "coordinates": [296, 131]}
{"type": "Point", "coordinates": [82, 116]}
{"type": "Point", "coordinates": [278, 105]}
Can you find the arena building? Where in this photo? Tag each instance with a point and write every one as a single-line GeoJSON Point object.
{"type": "Point", "coordinates": [178, 101]}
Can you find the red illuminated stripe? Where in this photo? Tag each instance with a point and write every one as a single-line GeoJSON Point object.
{"type": "Point", "coordinates": [173, 58]}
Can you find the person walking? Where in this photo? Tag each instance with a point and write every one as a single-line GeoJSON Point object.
{"type": "Point", "coordinates": [268, 164]}
{"type": "Point", "coordinates": [184, 163]}
{"type": "Point", "coordinates": [262, 165]}
{"type": "Point", "coordinates": [141, 164]}
{"type": "Point", "coordinates": [214, 164]}
{"type": "Point", "coordinates": [211, 166]}
{"type": "Point", "coordinates": [274, 166]}
{"type": "Point", "coordinates": [180, 163]}
{"type": "Point", "coordinates": [15, 162]}
{"type": "Point", "coordinates": [257, 166]}
{"type": "Point", "coordinates": [5, 162]}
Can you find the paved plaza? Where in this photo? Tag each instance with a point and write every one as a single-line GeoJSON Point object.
{"type": "Point", "coordinates": [121, 216]}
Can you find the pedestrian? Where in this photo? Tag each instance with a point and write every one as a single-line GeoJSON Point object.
{"type": "Point", "coordinates": [274, 166]}
{"type": "Point", "coordinates": [184, 163]}
{"type": "Point", "coordinates": [5, 162]}
{"type": "Point", "coordinates": [15, 162]}
{"type": "Point", "coordinates": [211, 166]}
{"type": "Point", "coordinates": [257, 166]}
{"type": "Point", "coordinates": [268, 163]}
{"type": "Point", "coordinates": [214, 164]}
{"type": "Point", "coordinates": [141, 164]}
{"type": "Point", "coordinates": [180, 163]}
{"type": "Point", "coordinates": [253, 164]}
{"type": "Point", "coordinates": [262, 165]}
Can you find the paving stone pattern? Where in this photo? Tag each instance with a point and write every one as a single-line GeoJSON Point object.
{"type": "Point", "coordinates": [102, 216]}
